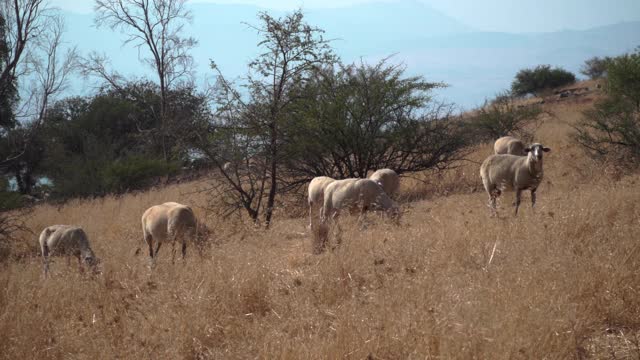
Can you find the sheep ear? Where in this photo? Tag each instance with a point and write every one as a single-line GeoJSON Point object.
{"type": "Point", "coordinates": [527, 150]}
{"type": "Point", "coordinates": [546, 149]}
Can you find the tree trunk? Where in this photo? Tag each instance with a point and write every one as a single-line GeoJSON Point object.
{"type": "Point", "coordinates": [24, 181]}
{"type": "Point", "coordinates": [20, 182]}
{"type": "Point", "coordinates": [163, 116]}
{"type": "Point", "coordinates": [29, 182]}
{"type": "Point", "coordinates": [273, 189]}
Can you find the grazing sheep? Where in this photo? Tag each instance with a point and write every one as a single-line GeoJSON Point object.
{"type": "Point", "coordinates": [356, 194]}
{"type": "Point", "coordinates": [250, 167]}
{"type": "Point", "coordinates": [316, 194]}
{"type": "Point", "coordinates": [388, 179]}
{"type": "Point", "coordinates": [168, 222]}
{"type": "Point", "coordinates": [509, 145]}
{"type": "Point", "coordinates": [512, 172]}
{"type": "Point", "coordinates": [66, 240]}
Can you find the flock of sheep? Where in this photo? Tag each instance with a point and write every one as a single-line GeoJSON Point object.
{"type": "Point", "coordinates": [513, 167]}
{"type": "Point", "coordinates": [168, 222]}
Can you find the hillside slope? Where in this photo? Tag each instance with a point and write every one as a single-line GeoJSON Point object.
{"type": "Point", "coordinates": [451, 282]}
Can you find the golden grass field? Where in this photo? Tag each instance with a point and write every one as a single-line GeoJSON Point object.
{"type": "Point", "coordinates": [562, 282]}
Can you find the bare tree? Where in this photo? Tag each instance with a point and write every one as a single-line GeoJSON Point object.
{"type": "Point", "coordinates": [292, 49]}
{"type": "Point", "coordinates": [24, 20]}
{"type": "Point", "coordinates": [155, 26]}
{"type": "Point", "coordinates": [249, 132]}
{"type": "Point", "coordinates": [50, 68]}
{"type": "Point", "coordinates": [34, 39]}
{"type": "Point", "coordinates": [231, 144]}
{"type": "Point", "coordinates": [31, 40]}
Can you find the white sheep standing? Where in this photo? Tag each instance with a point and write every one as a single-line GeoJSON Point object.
{"type": "Point", "coordinates": [66, 240]}
{"type": "Point", "coordinates": [170, 221]}
{"type": "Point", "coordinates": [359, 195]}
{"type": "Point", "coordinates": [509, 145]}
{"type": "Point", "coordinates": [512, 172]}
{"type": "Point", "coordinates": [316, 194]}
{"type": "Point", "coordinates": [388, 179]}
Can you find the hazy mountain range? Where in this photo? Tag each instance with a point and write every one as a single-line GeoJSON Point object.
{"type": "Point", "coordinates": [475, 64]}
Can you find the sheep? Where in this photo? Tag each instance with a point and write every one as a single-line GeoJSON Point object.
{"type": "Point", "coordinates": [66, 240]}
{"type": "Point", "coordinates": [509, 145]}
{"type": "Point", "coordinates": [168, 222]}
{"type": "Point", "coordinates": [251, 167]}
{"type": "Point", "coordinates": [387, 179]}
{"type": "Point", "coordinates": [353, 194]}
{"type": "Point", "coordinates": [356, 194]}
{"type": "Point", "coordinates": [512, 172]}
{"type": "Point", "coordinates": [316, 194]}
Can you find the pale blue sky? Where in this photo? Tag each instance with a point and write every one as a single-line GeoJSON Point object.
{"type": "Point", "coordinates": [484, 15]}
{"type": "Point", "coordinates": [476, 64]}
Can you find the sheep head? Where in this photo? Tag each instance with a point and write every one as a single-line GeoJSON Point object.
{"type": "Point", "coordinates": [536, 150]}
{"type": "Point", "coordinates": [92, 262]}
{"type": "Point", "coordinates": [394, 213]}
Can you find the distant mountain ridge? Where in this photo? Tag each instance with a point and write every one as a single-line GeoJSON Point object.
{"type": "Point", "coordinates": [475, 64]}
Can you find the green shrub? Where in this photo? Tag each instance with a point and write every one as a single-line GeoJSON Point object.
{"type": "Point", "coordinates": [624, 78]}
{"type": "Point", "coordinates": [595, 67]}
{"type": "Point", "coordinates": [611, 130]}
{"type": "Point", "coordinates": [541, 78]}
{"type": "Point", "coordinates": [135, 173]}
{"type": "Point", "coordinates": [9, 200]}
{"type": "Point", "coordinates": [503, 116]}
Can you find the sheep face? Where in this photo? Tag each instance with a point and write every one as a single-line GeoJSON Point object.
{"type": "Point", "coordinates": [536, 151]}
{"type": "Point", "coordinates": [394, 214]}
{"type": "Point", "coordinates": [92, 262]}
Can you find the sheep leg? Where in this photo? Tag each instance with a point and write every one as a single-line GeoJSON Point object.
{"type": "Point", "coordinates": [45, 261]}
{"type": "Point", "coordinates": [518, 199]}
{"type": "Point", "coordinates": [363, 218]}
{"type": "Point", "coordinates": [184, 248]}
{"type": "Point", "coordinates": [533, 198]}
{"type": "Point", "coordinates": [493, 195]}
{"type": "Point", "coordinates": [46, 266]}
{"type": "Point", "coordinates": [335, 224]}
{"type": "Point", "coordinates": [173, 251]}
{"type": "Point", "coordinates": [149, 240]}
{"type": "Point", "coordinates": [158, 244]}
{"type": "Point", "coordinates": [81, 269]}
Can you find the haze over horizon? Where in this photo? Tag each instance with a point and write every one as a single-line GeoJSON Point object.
{"type": "Point", "coordinates": [488, 15]}
{"type": "Point", "coordinates": [476, 50]}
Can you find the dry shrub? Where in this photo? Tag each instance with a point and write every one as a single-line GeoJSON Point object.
{"type": "Point", "coordinates": [449, 282]}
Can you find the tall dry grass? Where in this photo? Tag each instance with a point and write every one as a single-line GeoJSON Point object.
{"type": "Point", "coordinates": [450, 282]}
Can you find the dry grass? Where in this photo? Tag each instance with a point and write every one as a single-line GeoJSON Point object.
{"type": "Point", "coordinates": [450, 282]}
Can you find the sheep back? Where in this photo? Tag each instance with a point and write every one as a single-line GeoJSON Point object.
{"type": "Point", "coordinates": [354, 194]}
{"type": "Point", "coordinates": [388, 179]}
{"type": "Point", "coordinates": [509, 145]}
{"type": "Point", "coordinates": [181, 218]}
{"type": "Point", "coordinates": [160, 220]}
{"type": "Point", "coordinates": [316, 189]}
